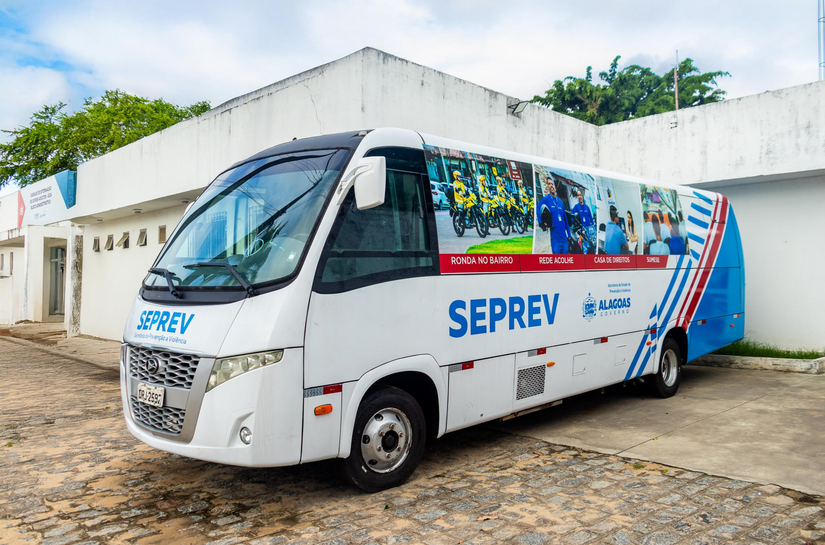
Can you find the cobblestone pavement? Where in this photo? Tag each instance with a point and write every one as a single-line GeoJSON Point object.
{"type": "Point", "coordinates": [70, 473]}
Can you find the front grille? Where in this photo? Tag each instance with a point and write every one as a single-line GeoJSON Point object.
{"type": "Point", "coordinates": [175, 370]}
{"type": "Point", "coordinates": [165, 419]}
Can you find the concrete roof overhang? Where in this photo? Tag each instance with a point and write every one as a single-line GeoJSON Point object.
{"type": "Point", "coordinates": [152, 205]}
{"type": "Point", "coordinates": [16, 242]}
{"type": "Point", "coordinates": [713, 185]}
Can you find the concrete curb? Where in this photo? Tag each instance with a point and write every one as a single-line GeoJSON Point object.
{"type": "Point", "coordinates": [810, 367]}
{"type": "Point", "coordinates": [60, 353]}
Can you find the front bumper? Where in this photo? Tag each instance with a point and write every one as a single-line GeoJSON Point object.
{"type": "Point", "coordinates": [268, 401]}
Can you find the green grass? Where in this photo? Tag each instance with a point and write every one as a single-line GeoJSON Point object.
{"type": "Point", "coordinates": [519, 245]}
{"type": "Point", "coordinates": [746, 347]}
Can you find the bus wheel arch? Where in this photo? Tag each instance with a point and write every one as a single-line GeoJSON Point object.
{"type": "Point", "coordinates": [421, 387]}
{"type": "Point", "coordinates": [420, 373]}
{"type": "Point", "coordinates": [679, 335]}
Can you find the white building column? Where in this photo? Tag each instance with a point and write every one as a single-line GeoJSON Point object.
{"type": "Point", "coordinates": [33, 254]}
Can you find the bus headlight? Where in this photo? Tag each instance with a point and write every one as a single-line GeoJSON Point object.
{"type": "Point", "coordinates": [227, 368]}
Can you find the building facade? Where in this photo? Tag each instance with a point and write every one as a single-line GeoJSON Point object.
{"type": "Point", "coordinates": [35, 238]}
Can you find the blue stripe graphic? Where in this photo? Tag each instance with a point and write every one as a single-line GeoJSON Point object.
{"type": "Point", "coordinates": [699, 209]}
{"type": "Point", "coordinates": [697, 238]}
{"type": "Point", "coordinates": [672, 282]}
{"type": "Point", "coordinates": [698, 222]}
{"type": "Point", "coordinates": [659, 306]}
{"type": "Point", "coordinates": [706, 199]}
{"type": "Point", "coordinates": [675, 299]}
{"type": "Point", "coordinates": [695, 255]}
{"type": "Point", "coordinates": [636, 357]}
{"type": "Point", "coordinates": [644, 361]}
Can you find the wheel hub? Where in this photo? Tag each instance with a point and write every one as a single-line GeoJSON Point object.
{"type": "Point", "coordinates": [386, 440]}
{"type": "Point", "coordinates": [670, 368]}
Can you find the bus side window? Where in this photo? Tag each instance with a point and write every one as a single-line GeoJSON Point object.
{"type": "Point", "coordinates": [388, 242]}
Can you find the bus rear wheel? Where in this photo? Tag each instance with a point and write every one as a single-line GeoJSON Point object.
{"type": "Point", "coordinates": [665, 382]}
{"type": "Point", "coordinates": [387, 440]}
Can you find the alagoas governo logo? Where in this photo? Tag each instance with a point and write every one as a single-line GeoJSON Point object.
{"type": "Point", "coordinates": [589, 308]}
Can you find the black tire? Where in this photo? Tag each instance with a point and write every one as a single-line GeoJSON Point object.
{"type": "Point", "coordinates": [665, 382]}
{"type": "Point", "coordinates": [518, 220]}
{"type": "Point", "coordinates": [504, 223]}
{"type": "Point", "coordinates": [492, 221]}
{"type": "Point", "coordinates": [458, 224]}
{"type": "Point", "coordinates": [481, 224]}
{"type": "Point", "coordinates": [389, 403]}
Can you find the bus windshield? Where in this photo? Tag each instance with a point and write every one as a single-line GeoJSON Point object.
{"type": "Point", "coordinates": [251, 225]}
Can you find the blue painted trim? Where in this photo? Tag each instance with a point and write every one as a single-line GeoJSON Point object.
{"type": "Point", "coordinates": [702, 197]}
{"type": "Point", "coordinates": [696, 238]}
{"type": "Point", "coordinates": [699, 209]}
{"type": "Point", "coordinates": [698, 222]}
{"type": "Point", "coordinates": [695, 255]}
{"type": "Point", "coordinates": [672, 283]}
{"type": "Point", "coordinates": [661, 331]}
{"type": "Point", "coordinates": [636, 357]}
{"type": "Point", "coordinates": [67, 184]}
{"type": "Point", "coordinates": [643, 366]}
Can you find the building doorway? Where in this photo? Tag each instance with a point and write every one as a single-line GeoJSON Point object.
{"type": "Point", "coordinates": [57, 280]}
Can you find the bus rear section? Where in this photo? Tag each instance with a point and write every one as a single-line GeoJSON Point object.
{"type": "Point", "coordinates": [384, 319]}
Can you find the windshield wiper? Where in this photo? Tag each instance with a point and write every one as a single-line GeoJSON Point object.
{"type": "Point", "coordinates": [168, 275]}
{"type": "Point", "coordinates": [231, 268]}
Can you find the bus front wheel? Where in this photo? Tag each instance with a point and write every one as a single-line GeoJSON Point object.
{"type": "Point", "coordinates": [665, 382]}
{"type": "Point", "coordinates": [387, 440]}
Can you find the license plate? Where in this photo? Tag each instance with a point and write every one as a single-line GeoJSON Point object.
{"type": "Point", "coordinates": [151, 395]}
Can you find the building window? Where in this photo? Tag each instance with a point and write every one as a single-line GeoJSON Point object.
{"type": "Point", "coordinates": [162, 234]}
{"type": "Point", "coordinates": [142, 238]}
{"type": "Point", "coordinates": [124, 240]}
{"type": "Point", "coordinates": [11, 263]}
{"type": "Point", "coordinates": [2, 261]}
{"type": "Point", "coordinates": [110, 242]}
{"type": "Point", "coordinates": [96, 244]}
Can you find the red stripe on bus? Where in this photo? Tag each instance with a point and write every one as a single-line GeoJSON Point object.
{"type": "Point", "coordinates": [717, 243]}
{"type": "Point", "coordinates": [699, 268]}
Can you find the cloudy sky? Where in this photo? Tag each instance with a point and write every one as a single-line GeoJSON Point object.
{"type": "Point", "coordinates": [185, 51]}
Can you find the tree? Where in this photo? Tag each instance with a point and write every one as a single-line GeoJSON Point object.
{"type": "Point", "coordinates": [55, 141]}
{"type": "Point", "coordinates": [634, 91]}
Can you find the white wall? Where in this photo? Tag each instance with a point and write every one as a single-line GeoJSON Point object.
{"type": "Point", "coordinates": [399, 93]}
{"type": "Point", "coordinates": [772, 133]}
{"type": "Point", "coordinates": [781, 225]}
{"type": "Point", "coordinates": [111, 279]}
{"type": "Point", "coordinates": [11, 285]}
{"type": "Point", "coordinates": [8, 212]}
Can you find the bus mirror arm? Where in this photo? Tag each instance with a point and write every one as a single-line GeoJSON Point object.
{"type": "Point", "coordinates": [369, 178]}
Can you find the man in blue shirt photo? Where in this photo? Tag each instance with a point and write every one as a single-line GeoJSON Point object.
{"type": "Point", "coordinates": [550, 213]}
{"type": "Point", "coordinates": [583, 211]}
{"type": "Point", "coordinates": [615, 239]}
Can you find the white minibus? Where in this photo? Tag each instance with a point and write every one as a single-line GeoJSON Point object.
{"type": "Point", "coordinates": [313, 304]}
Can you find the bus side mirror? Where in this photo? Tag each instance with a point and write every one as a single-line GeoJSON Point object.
{"type": "Point", "coordinates": [370, 182]}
